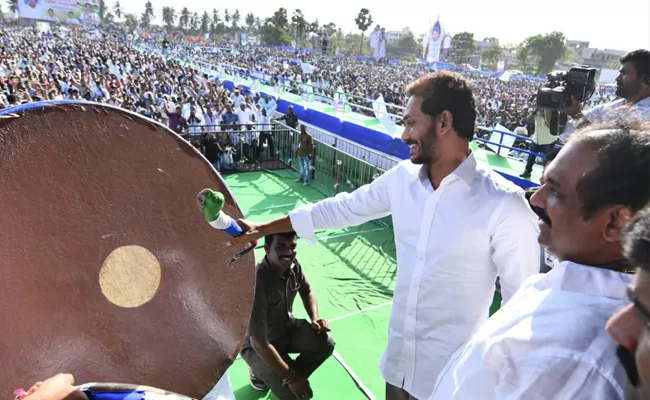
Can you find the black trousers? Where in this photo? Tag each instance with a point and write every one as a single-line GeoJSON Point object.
{"type": "Point", "coordinates": [312, 348]}
{"type": "Point", "coordinates": [537, 148]}
{"type": "Point", "coordinates": [395, 393]}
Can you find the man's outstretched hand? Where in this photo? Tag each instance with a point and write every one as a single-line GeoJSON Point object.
{"type": "Point", "coordinates": [251, 232]}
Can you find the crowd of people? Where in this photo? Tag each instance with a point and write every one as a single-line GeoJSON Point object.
{"type": "Point", "coordinates": [154, 84]}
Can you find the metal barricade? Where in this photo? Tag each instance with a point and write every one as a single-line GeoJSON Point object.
{"type": "Point", "coordinates": [257, 147]}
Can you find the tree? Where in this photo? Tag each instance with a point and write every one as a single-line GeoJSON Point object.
{"type": "Point", "coordinates": [169, 17]}
{"type": "Point", "coordinates": [215, 26]}
{"type": "Point", "coordinates": [363, 21]}
{"type": "Point", "coordinates": [276, 29]}
{"type": "Point", "coordinates": [205, 23]}
{"type": "Point", "coordinates": [462, 46]}
{"type": "Point", "coordinates": [145, 20]}
{"type": "Point", "coordinates": [236, 17]}
{"type": "Point", "coordinates": [118, 10]}
{"type": "Point", "coordinates": [250, 22]}
{"type": "Point", "coordinates": [404, 48]}
{"type": "Point", "coordinates": [329, 29]}
{"type": "Point", "coordinates": [299, 24]}
{"type": "Point", "coordinates": [543, 51]}
{"type": "Point", "coordinates": [131, 21]}
{"type": "Point", "coordinates": [184, 19]}
{"type": "Point", "coordinates": [148, 9]}
{"type": "Point", "coordinates": [491, 55]}
{"type": "Point", "coordinates": [194, 22]}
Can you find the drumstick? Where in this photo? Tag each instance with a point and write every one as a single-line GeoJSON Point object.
{"type": "Point", "coordinates": [211, 204]}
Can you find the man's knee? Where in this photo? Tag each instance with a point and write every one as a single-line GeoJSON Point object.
{"type": "Point", "coordinates": [329, 345]}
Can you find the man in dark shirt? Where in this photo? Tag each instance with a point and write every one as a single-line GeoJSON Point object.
{"type": "Point", "coordinates": [274, 333]}
{"type": "Point", "coordinates": [290, 117]}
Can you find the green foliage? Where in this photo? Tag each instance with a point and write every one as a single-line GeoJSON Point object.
{"type": "Point", "coordinates": [363, 21]}
{"type": "Point", "coordinates": [539, 53]}
{"type": "Point", "coordinates": [276, 29]}
{"type": "Point", "coordinates": [406, 48]}
{"type": "Point", "coordinates": [462, 45]}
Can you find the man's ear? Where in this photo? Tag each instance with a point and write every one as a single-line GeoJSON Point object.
{"type": "Point", "coordinates": [618, 218]}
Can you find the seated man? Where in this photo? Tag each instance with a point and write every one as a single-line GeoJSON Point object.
{"type": "Point", "coordinates": [629, 326]}
{"type": "Point", "coordinates": [548, 341]}
{"type": "Point", "coordinates": [274, 332]}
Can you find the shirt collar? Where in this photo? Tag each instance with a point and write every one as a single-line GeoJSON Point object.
{"type": "Point", "coordinates": [645, 103]}
{"type": "Point", "coordinates": [466, 171]}
{"type": "Point", "coordinates": [589, 280]}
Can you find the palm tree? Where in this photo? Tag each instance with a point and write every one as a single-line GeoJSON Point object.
{"type": "Point", "coordinates": [216, 22]}
{"type": "Point", "coordinates": [184, 19]}
{"type": "Point", "coordinates": [299, 25]}
{"type": "Point", "coordinates": [250, 22]}
{"type": "Point", "coordinates": [118, 9]}
{"type": "Point", "coordinates": [169, 17]}
{"type": "Point", "coordinates": [235, 20]}
{"type": "Point", "coordinates": [363, 21]}
{"type": "Point", "coordinates": [205, 23]}
{"type": "Point", "coordinates": [13, 5]}
{"type": "Point", "coordinates": [148, 9]}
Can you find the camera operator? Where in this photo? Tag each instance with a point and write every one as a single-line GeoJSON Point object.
{"type": "Point", "coordinates": [543, 139]}
{"type": "Point", "coordinates": [632, 90]}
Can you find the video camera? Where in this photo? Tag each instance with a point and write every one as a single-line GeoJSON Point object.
{"type": "Point", "coordinates": [577, 81]}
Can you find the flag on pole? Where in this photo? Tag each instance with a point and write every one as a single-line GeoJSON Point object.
{"type": "Point", "coordinates": [381, 113]}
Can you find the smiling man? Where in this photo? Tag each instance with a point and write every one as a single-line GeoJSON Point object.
{"type": "Point", "coordinates": [549, 341]}
{"type": "Point", "coordinates": [630, 327]}
{"type": "Point", "coordinates": [274, 332]}
{"type": "Point", "coordinates": [457, 225]}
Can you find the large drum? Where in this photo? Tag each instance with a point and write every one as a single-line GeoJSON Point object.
{"type": "Point", "coordinates": [108, 271]}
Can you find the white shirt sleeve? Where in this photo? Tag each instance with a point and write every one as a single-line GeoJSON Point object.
{"type": "Point", "coordinates": [516, 252]}
{"type": "Point", "coordinates": [554, 377]}
{"type": "Point", "coordinates": [345, 209]}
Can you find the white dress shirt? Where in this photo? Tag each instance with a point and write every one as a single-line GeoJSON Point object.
{"type": "Point", "coordinates": [451, 244]}
{"type": "Point", "coordinates": [548, 342]}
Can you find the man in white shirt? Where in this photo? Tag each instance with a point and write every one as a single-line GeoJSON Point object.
{"type": "Point", "coordinates": [457, 225]}
{"type": "Point", "coordinates": [548, 341]}
{"type": "Point", "coordinates": [630, 326]}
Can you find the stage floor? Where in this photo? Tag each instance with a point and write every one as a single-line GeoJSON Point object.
{"type": "Point", "coordinates": [352, 272]}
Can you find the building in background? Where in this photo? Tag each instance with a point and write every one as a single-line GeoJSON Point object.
{"type": "Point", "coordinates": [593, 56]}
{"type": "Point", "coordinates": [394, 36]}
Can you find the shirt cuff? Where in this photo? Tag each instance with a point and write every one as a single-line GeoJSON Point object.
{"type": "Point", "coordinates": [303, 224]}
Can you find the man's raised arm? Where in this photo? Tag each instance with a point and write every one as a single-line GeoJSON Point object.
{"type": "Point", "coordinates": [368, 202]}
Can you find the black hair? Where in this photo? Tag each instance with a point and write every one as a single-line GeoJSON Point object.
{"type": "Point", "coordinates": [641, 59]}
{"type": "Point", "coordinates": [268, 239]}
{"type": "Point", "coordinates": [636, 240]}
{"type": "Point", "coordinates": [622, 172]}
{"type": "Point", "coordinates": [448, 91]}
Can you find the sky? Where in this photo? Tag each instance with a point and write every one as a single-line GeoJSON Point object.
{"type": "Point", "coordinates": [620, 25]}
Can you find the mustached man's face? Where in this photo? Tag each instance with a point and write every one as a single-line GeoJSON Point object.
{"type": "Point", "coordinates": [629, 81]}
{"type": "Point", "coordinates": [281, 252]}
{"type": "Point", "coordinates": [630, 327]}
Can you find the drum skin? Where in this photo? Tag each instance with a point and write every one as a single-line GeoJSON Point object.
{"type": "Point", "coordinates": [108, 271]}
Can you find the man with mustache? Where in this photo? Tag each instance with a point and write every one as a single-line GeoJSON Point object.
{"type": "Point", "coordinates": [549, 341]}
{"type": "Point", "coordinates": [457, 225]}
{"type": "Point", "coordinates": [630, 327]}
{"type": "Point", "coordinates": [632, 90]}
{"type": "Point", "coordinates": [274, 333]}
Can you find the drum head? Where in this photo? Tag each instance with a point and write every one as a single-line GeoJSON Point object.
{"type": "Point", "coordinates": [108, 271]}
